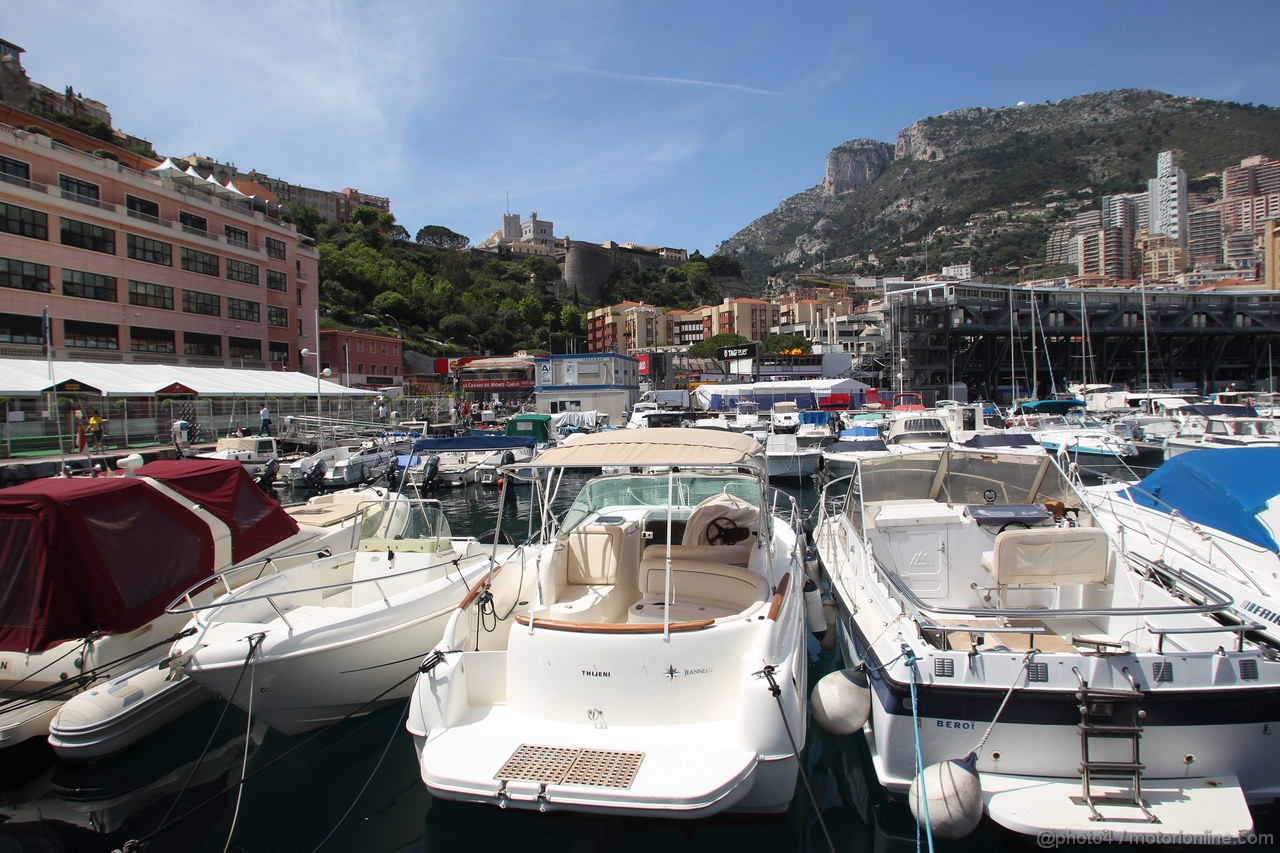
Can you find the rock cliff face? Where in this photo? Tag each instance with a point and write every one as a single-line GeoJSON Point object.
{"type": "Point", "coordinates": [855, 165]}
{"type": "Point", "coordinates": [940, 170]}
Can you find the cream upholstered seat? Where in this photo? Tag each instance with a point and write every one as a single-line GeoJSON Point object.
{"type": "Point", "coordinates": [1049, 556]}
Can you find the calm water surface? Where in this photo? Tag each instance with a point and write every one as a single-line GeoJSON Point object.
{"type": "Point", "coordinates": [356, 787]}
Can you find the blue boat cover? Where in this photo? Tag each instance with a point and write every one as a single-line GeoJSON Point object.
{"type": "Point", "coordinates": [818, 418]}
{"type": "Point", "coordinates": [1048, 407]}
{"type": "Point", "coordinates": [464, 443]}
{"type": "Point", "coordinates": [859, 431]}
{"type": "Point", "coordinates": [1220, 488]}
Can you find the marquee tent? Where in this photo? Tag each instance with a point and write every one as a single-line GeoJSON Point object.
{"type": "Point", "coordinates": [31, 378]}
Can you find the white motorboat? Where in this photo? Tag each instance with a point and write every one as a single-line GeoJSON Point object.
{"type": "Point", "coordinates": [851, 445]}
{"type": "Point", "coordinates": [788, 459]}
{"type": "Point", "coordinates": [91, 562]}
{"type": "Point", "coordinates": [254, 452]}
{"type": "Point", "coordinates": [467, 459]}
{"type": "Point", "coordinates": [115, 714]}
{"type": "Point", "coordinates": [784, 417]}
{"type": "Point", "coordinates": [364, 463]}
{"type": "Point", "coordinates": [1211, 427]}
{"type": "Point", "coordinates": [340, 635]}
{"type": "Point", "coordinates": [1063, 427]}
{"type": "Point", "coordinates": [649, 660]}
{"type": "Point", "coordinates": [1214, 514]}
{"type": "Point", "coordinates": [1007, 656]}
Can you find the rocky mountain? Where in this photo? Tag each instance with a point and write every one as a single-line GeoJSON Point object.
{"type": "Point", "coordinates": [876, 197]}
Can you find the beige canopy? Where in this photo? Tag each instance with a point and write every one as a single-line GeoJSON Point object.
{"type": "Point", "coordinates": [685, 447]}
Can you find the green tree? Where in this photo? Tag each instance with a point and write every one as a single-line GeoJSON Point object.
{"type": "Point", "coordinates": [709, 347]}
{"type": "Point", "coordinates": [365, 215]}
{"type": "Point", "coordinates": [306, 219]}
{"type": "Point", "coordinates": [439, 237]}
{"type": "Point", "coordinates": [786, 344]}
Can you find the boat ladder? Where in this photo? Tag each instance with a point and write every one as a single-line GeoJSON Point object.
{"type": "Point", "coordinates": [1111, 714]}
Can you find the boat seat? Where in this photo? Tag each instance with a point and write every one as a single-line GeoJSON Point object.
{"type": "Point", "coordinates": [734, 555]}
{"type": "Point", "coordinates": [1049, 556]}
{"type": "Point", "coordinates": [734, 587]}
{"type": "Point", "coordinates": [600, 573]}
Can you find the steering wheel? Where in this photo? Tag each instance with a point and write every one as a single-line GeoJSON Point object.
{"type": "Point", "coordinates": [1008, 524]}
{"type": "Point", "coordinates": [725, 531]}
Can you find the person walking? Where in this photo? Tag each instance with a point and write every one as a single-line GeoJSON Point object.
{"type": "Point", "coordinates": [265, 414]}
{"type": "Point", "coordinates": [95, 430]}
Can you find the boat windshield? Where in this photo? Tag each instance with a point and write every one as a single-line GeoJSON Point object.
{"type": "Point", "coordinates": [964, 478]}
{"type": "Point", "coordinates": [626, 493]}
{"type": "Point", "coordinates": [404, 520]}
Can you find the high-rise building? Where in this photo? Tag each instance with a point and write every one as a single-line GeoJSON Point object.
{"type": "Point", "coordinates": [1167, 192]}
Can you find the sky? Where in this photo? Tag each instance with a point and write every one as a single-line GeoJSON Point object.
{"type": "Point", "coordinates": [658, 123]}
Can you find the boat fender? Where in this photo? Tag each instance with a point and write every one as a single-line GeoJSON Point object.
{"type": "Point", "coordinates": [828, 640]}
{"type": "Point", "coordinates": [812, 566]}
{"type": "Point", "coordinates": [953, 795]}
{"type": "Point", "coordinates": [813, 609]}
{"type": "Point", "coordinates": [842, 701]}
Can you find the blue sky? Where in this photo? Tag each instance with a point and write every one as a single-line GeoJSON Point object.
{"type": "Point", "coordinates": [659, 123]}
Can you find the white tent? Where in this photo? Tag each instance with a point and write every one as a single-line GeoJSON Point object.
{"type": "Point", "coordinates": [709, 396]}
{"type": "Point", "coordinates": [31, 378]}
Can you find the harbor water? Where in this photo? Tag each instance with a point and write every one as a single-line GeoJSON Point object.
{"type": "Point", "coordinates": [355, 786]}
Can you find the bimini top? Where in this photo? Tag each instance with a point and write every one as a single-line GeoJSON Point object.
{"type": "Point", "coordinates": [689, 447]}
{"type": "Point", "coordinates": [1228, 489]}
{"type": "Point", "coordinates": [79, 555]}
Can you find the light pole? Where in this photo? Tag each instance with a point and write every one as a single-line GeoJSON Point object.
{"type": "Point", "coordinates": [306, 353]}
{"type": "Point", "coordinates": [479, 348]}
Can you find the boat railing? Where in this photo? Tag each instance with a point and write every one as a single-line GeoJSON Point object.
{"type": "Point", "coordinates": [273, 598]}
{"type": "Point", "coordinates": [257, 569]}
{"type": "Point", "coordinates": [1215, 601]}
{"type": "Point", "coordinates": [1240, 573]}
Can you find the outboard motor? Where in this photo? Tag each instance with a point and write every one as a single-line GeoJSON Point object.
{"type": "Point", "coordinates": [507, 458]}
{"type": "Point", "coordinates": [315, 477]}
{"type": "Point", "coordinates": [429, 469]}
{"type": "Point", "coordinates": [268, 476]}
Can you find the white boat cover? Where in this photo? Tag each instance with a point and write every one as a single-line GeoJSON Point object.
{"type": "Point", "coordinates": [652, 447]}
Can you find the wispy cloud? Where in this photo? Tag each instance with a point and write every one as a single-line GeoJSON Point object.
{"type": "Point", "coordinates": [639, 78]}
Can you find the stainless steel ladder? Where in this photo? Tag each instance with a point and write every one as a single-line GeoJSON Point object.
{"type": "Point", "coordinates": [1112, 714]}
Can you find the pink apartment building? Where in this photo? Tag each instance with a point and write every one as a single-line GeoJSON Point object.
{"type": "Point", "coordinates": [145, 266]}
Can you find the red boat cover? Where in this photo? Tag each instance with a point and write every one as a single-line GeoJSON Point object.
{"type": "Point", "coordinates": [226, 490]}
{"type": "Point", "coordinates": [79, 555]}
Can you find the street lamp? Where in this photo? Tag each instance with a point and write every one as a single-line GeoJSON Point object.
{"type": "Point", "coordinates": [306, 353]}
{"type": "Point", "coordinates": [479, 348]}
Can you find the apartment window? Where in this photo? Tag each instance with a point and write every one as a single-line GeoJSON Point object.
{"type": "Point", "coordinates": [193, 223]}
{"type": "Point", "coordinates": [243, 309]}
{"type": "Point", "coordinates": [244, 348]}
{"type": "Point", "coordinates": [242, 271]}
{"type": "Point", "coordinates": [88, 285]}
{"type": "Point", "coordinates": [236, 236]}
{"type": "Point", "coordinates": [193, 260]}
{"type": "Point", "coordinates": [275, 248]}
{"type": "Point", "coordinates": [19, 329]}
{"type": "Point", "coordinates": [279, 353]}
{"type": "Point", "coordinates": [151, 251]}
{"type": "Point", "coordinates": [277, 316]}
{"type": "Point", "coordinates": [23, 221]}
{"type": "Point", "coordinates": [85, 235]}
{"type": "Point", "coordinates": [196, 343]}
{"type": "Point", "coordinates": [142, 208]}
{"type": "Point", "coordinates": [17, 172]}
{"type": "Point", "coordinates": [277, 280]}
{"type": "Point", "coordinates": [24, 275]}
{"type": "Point", "coordinates": [83, 335]}
{"type": "Point", "coordinates": [151, 340]}
{"type": "Point", "coordinates": [78, 190]}
{"type": "Point", "coordinates": [149, 295]}
{"type": "Point", "coordinates": [195, 302]}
